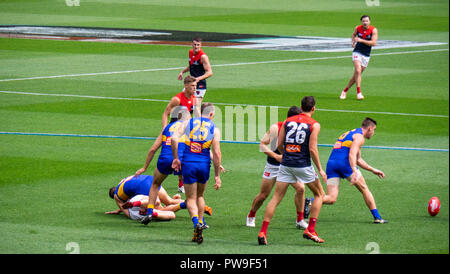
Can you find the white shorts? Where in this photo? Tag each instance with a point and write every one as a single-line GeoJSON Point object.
{"type": "Point", "coordinates": [336, 180]}
{"type": "Point", "coordinates": [134, 211]}
{"type": "Point", "coordinates": [270, 171]}
{"type": "Point", "coordinates": [359, 57]}
{"type": "Point", "coordinates": [200, 93]}
{"type": "Point", "coordinates": [291, 175]}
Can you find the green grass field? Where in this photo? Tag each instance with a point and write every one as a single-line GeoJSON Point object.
{"type": "Point", "coordinates": [53, 189]}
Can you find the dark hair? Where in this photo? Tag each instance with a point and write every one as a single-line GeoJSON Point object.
{"type": "Point", "coordinates": [294, 110]}
{"type": "Point", "coordinates": [189, 79]}
{"type": "Point", "coordinates": [364, 16]}
{"type": "Point", "coordinates": [111, 192]}
{"type": "Point", "coordinates": [198, 39]}
{"type": "Point", "coordinates": [308, 102]}
{"type": "Point", "coordinates": [368, 122]}
{"type": "Point", "coordinates": [206, 108]}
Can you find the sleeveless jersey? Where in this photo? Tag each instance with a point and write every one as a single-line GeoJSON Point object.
{"type": "Point", "coordinates": [271, 160]}
{"type": "Point", "coordinates": [187, 102]}
{"type": "Point", "coordinates": [296, 143]}
{"type": "Point", "coordinates": [196, 68]}
{"type": "Point", "coordinates": [199, 135]}
{"type": "Point", "coordinates": [166, 149]}
{"type": "Point", "coordinates": [132, 186]}
{"type": "Point", "coordinates": [365, 34]}
{"type": "Point", "coordinates": [342, 146]}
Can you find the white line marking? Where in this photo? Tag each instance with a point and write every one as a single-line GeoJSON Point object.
{"type": "Point", "coordinates": [224, 104]}
{"type": "Point", "coordinates": [217, 65]}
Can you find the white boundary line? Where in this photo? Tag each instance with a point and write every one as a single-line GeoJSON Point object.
{"type": "Point", "coordinates": [225, 104]}
{"type": "Point", "coordinates": [217, 65]}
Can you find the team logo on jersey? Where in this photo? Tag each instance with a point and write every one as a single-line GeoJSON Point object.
{"type": "Point", "coordinates": [293, 148]}
{"type": "Point", "coordinates": [168, 141]}
{"type": "Point", "coordinates": [337, 145]}
{"type": "Point", "coordinates": [196, 147]}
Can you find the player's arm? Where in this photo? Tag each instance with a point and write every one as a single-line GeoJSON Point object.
{"type": "Point", "coordinates": [281, 137]}
{"type": "Point", "coordinates": [207, 67]}
{"type": "Point", "coordinates": [120, 204]}
{"type": "Point", "coordinates": [175, 101]}
{"type": "Point", "coordinates": [217, 158]}
{"type": "Point", "coordinates": [176, 164]}
{"type": "Point", "coordinates": [372, 42]}
{"type": "Point", "coordinates": [364, 165]}
{"type": "Point", "coordinates": [314, 151]}
{"type": "Point", "coordinates": [354, 154]}
{"type": "Point", "coordinates": [266, 140]}
{"type": "Point", "coordinates": [354, 35]}
{"type": "Point", "coordinates": [222, 169]}
{"type": "Point", "coordinates": [151, 153]}
{"type": "Point", "coordinates": [180, 75]}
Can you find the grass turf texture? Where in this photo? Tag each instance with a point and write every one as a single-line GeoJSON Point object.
{"type": "Point", "coordinates": [53, 189]}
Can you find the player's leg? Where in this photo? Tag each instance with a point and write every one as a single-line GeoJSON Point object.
{"type": "Point", "coordinates": [266, 187]}
{"type": "Point", "coordinates": [332, 191]}
{"type": "Point", "coordinates": [158, 178]}
{"type": "Point", "coordinates": [201, 201]}
{"type": "Point", "coordinates": [299, 201]}
{"type": "Point", "coordinates": [166, 199]}
{"type": "Point", "coordinates": [368, 198]}
{"type": "Point", "coordinates": [319, 193]}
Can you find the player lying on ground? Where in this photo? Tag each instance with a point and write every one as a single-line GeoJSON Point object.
{"type": "Point", "coordinates": [270, 174]}
{"type": "Point", "coordinates": [343, 164]}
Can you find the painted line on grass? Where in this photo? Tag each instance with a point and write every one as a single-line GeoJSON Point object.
{"type": "Point", "coordinates": [222, 141]}
{"type": "Point", "coordinates": [225, 104]}
{"type": "Point", "coordinates": [216, 65]}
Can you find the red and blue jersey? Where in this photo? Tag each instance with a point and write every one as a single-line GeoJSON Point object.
{"type": "Point", "coordinates": [271, 160]}
{"type": "Point", "coordinates": [199, 134]}
{"type": "Point", "coordinates": [296, 143]}
{"type": "Point", "coordinates": [187, 102]}
{"type": "Point", "coordinates": [342, 146]}
{"type": "Point", "coordinates": [365, 34]}
{"type": "Point", "coordinates": [196, 68]}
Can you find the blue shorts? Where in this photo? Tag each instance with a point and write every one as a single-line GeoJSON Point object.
{"type": "Point", "coordinates": [338, 168]}
{"type": "Point", "coordinates": [195, 172]}
{"type": "Point", "coordinates": [164, 165]}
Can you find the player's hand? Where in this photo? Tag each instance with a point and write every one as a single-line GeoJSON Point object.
{"type": "Point", "coordinates": [222, 169]}
{"type": "Point", "coordinates": [278, 157]}
{"type": "Point", "coordinates": [323, 175]}
{"type": "Point", "coordinates": [180, 76]}
{"type": "Point", "coordinates": [354, 179]}
{"type": "Point", "coordinates": [113, 212]}
{"type": "Point", "coordinates": [379, 173]}
{"type": "Point", "coordinates": [218, 182]}
{"type": "Point", "coordinates": [139, 172]}
{"type": "Point", "coordinates": [176, 164]}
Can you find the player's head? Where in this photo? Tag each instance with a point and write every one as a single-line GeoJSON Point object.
{"type": "Point", "coordinates": [196, 44]}
{"type": "Point", "coordinates": [190, 84]}
{"type": "Point", "coordinates": [111, 192]}
{"type": "Point", "coordinates": [308, 104]}
{"type": "Point", "coordinates": [294, 110]}
{"type": "Point", "coordinates": [179, 113]}
{"type": "Point", "coordinates": [208, 110]}
{"type": "Point", "coordinates": [365, 20]}
{"type": "Point", "coordinates": [369, 125]}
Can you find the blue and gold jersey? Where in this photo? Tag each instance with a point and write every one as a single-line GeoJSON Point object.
{"type": "Point", "coordinates": [166, 149]}
{"type": "Point", "coordinates": [132, 186]}
{"type": "Point", "coordinates": [342, 146]}
{"type": "Point", "coordinates": [199, 134]}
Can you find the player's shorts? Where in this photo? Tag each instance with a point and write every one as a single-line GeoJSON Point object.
{"type": "Point", "coordinates": [270, 171]}
{"type": "Point", "coordinates": [164, 165]}
{"type": "Point", "coordinates": [362, 58]}
{"type": "Point", "coordinates": [200, 93]}
{"type": "Point", "coordinates": [134, 211]}
{"type": "Point", "coordinates": [195, 172]}
{"type": "Point", "coordinates": [338, 169]}
{"type": "Point", "coordinates": [291, 175]}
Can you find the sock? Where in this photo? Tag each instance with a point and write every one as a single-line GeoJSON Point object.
{"type": "Point", "coordinates": [180, 182]}
{"type": "Point", "coordinates": [345, 89]}
{"type": "Point", "coordinates": [264, 228]}
{"type": "Point", "coordinates": [137, 204]}
{"type": "Point", "coordinates": [155, 214]}
{"type": "Point", "coordinates": [195, 220]}
{"type": "Point", "coordinates": [299, 216]}
{"type": "Point", "coordinates": [203, 221]}
{"type": "Point", "coordinates": [252, 214]}
{"type": "Point", "coordinates": [312, 225]}
{"type": "Point", "coordinates": [375, 214]}
{"type": "Point", "coordinates": [358, 90]}
{"type": "Point", "coordinates": [182, 205]}
{"type": "Point", "coordinates": [150, 209]}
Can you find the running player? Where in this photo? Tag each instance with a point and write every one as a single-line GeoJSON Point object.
{"type": "Point", "coordinates": [270, 174]}
{"type": "Point", "coordinates": [298, 143]}
{"type": "Point", "coordinates": [200, 68]}
{"type": "Point", "coordinates": [343, 162]}
{"type": "Point", "coordinates": [185, 98]}
{"type": "Point", "coordinates": [364, 37]}
{"type": "Point", "coordinates": [202, 136]}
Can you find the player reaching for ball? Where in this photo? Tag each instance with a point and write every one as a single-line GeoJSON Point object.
{"type": "Point", "coordinates": [343, 164]}
{"type": "Point", "coordinates": [364, 37]}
